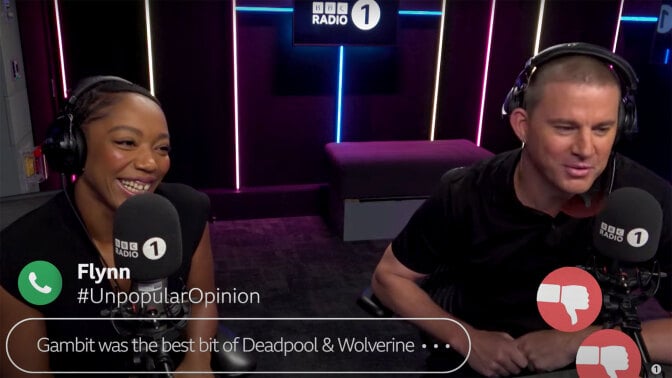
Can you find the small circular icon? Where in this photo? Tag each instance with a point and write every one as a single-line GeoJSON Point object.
{"type": "Point", "coordinates": [154, 248]}
{"type": "Point", "coordinates": [637, 237]}
{"type": "Point", "coordinates": [40, 282]}
{"type": "Point", "coordinates": [608, 353]}
{"type": "Point", "coordinates": [569, 299]}
{"type": "Point", "coordinates": [366, 14]}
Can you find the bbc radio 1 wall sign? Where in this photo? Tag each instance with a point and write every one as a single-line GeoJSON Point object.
{"type": "Point", "coordinates": [345, 22]}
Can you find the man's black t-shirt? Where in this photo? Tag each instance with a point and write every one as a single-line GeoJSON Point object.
{"type": "Point", "coordinates": [494, 251]}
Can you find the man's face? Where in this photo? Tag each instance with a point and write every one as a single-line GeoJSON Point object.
{"type": "Point", "coordinates": [569, 136]}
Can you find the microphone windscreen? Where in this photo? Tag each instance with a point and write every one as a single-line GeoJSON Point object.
{"type": "Point", "coordinates": [628, 228]}
{"type": "Point", "coordinates": [147, 237]}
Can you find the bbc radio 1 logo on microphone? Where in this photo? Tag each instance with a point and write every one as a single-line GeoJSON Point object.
{"type": "Point", "coordinates": [636, 237]}
{"type": "Point", "coordinates": [153, 248]}
{"type": "Point", "coordinates": [125, 249]}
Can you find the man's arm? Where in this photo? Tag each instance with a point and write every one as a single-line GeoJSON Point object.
{"type": "Point", "coordinates": [657, 335]}
{"type": "Point", "coordinates": [201, 275]}
{"type": "Point", "coordinates": [550, 349]}
{"type": "Point", "coordinates": [492, 353]}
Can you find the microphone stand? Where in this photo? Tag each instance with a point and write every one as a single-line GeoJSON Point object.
{"type": "Point", "coordinates": [620, 301]}
{"type": "Point", "coordinates": [153, 328]}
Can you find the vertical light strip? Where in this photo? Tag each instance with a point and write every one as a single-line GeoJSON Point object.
{"type": "Point", "coordinates": [667, 56]}
{"type": "Point", "coordinates": [235, 93]}
{"type": "Point", "coordinates": [339, 100]}
{"type": "Point", "coordinates": [435, 105]}
{"type": "Point", "coordinates": [540, 22]}
{"type": "Point", "coordinates": [64, 81]}
{"type": "Point", "coordinates": [618, 26]}
{"type": "Point", "coordinates": [485, 73]}
{"type": "Point", "coordinates": [150, 53]}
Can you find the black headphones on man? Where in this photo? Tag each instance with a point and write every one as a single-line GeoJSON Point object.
{"type": "Point", "coordinates": [627, 114]}
{"type": "Point", "coordinates": [65, 145]}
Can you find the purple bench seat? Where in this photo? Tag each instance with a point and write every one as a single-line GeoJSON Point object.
{"type": "Point", "coordinates": [390, 170]}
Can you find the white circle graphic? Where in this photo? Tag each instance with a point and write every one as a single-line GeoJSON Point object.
{"type": "Point", "coordinates": [154, 248]}
{"type": "Point", "coordinates": [366, 14]}
{"type": "Point", "coordinates": [637, 237]}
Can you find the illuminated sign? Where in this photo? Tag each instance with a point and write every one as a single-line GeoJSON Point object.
{"type": "Point", "coordinates": [346, 22]}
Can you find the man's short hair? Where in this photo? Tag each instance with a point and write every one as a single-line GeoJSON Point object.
{"type": "Point", "coordinates": [580, 69]}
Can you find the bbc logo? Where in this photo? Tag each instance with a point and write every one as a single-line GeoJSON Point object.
{"type": "Point", "coordinates": [330, 7]}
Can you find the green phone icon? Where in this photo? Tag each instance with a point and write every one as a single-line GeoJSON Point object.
{"type": "Point", "coordinates": [40, 282]}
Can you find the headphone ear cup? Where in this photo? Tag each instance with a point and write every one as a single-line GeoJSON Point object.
{"type": "Point", "coordinates": [628, 116]}
{"type": "Point", "coordinates": [65, 146]}
{"type": "Point", "coordinates": [79, 150]}
{"type": "Point", "coordinates": [512, 101]}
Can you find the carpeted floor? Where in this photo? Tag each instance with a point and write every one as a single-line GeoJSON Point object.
{"type": "Point", "coordinates": [301, 269]}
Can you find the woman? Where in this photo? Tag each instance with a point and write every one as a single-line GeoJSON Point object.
{"type": "Point", "coordinates": [114, 136]}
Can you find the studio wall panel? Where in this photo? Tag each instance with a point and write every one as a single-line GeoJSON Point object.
{"type": "Point", "coordinates": [104, 37]}
{"type": "Point", "coordinates": [463, 56]}
{"type": "Point", "coordinates": [513, 40]}
{"type": "Point", "coordinates": [652, 146]}
{"type": "Point", "coordinates": [194, 81]}
{"type": "Point", "coordinates": [579, 20]}
{"type": "Point", "coordinates": [287, 102]}
{"type": "Point", "coordinates": [389, 91]}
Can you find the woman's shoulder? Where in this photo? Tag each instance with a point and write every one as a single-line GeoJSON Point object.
{"type": "Point", "coordinates": [37, 221]}
{"type": "Point", "coordinates": [41, 234]}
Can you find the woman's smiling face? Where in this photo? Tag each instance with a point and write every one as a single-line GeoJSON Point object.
{"type": "Point", "coordinates": [127, 149]}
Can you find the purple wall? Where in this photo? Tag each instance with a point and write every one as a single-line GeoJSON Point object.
{"type": "Point", "coordinates": [288, 94]}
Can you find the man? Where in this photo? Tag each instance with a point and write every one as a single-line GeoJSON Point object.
{"type": "Point", "coordinates": [496, 229]}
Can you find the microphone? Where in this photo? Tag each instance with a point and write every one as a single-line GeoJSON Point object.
{"type": "Point", "coordinates": [147, 238]}
{"type": "Point", "coordinates": [628, 228]}
{"type": "Point", "coordinates": [627, 232]}
{"type": "Point", "coordinates": [148, 241]}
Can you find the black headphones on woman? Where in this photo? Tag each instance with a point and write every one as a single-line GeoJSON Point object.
{"type": "Point", "coordinates": [627, 112]}
{"type": "Point", "coordinates": [65, 145]}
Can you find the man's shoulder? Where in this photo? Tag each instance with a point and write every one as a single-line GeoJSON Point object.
{"type": "Point", "coordinates": [493, 170]}
{"type": "Point", "coordinates": [631, 173]}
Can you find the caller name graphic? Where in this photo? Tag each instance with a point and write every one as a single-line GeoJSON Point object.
{"type": "Point", "coordinates": [278, 344]}
{"type": "Point", "coordinates": [345, 22]}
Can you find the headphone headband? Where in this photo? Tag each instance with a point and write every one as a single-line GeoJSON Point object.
{"type": "Point", "coordinates": [626, 75]}
{"type": "Point", "coordinates": [87, 84]}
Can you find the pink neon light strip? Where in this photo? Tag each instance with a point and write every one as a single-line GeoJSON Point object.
{"type": "Point", "coordinates": [60, 48]}
{"type": "Point", "coordinates": [235, 92]}
{"type": "Point", "coordinates": [435, 102]}
{"type": "Point", "coordinates": [618, 26]}
{"type": "Point", "coordinates": [150, 55]}
{"type": "Point", "coordinates": [485, 73]}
